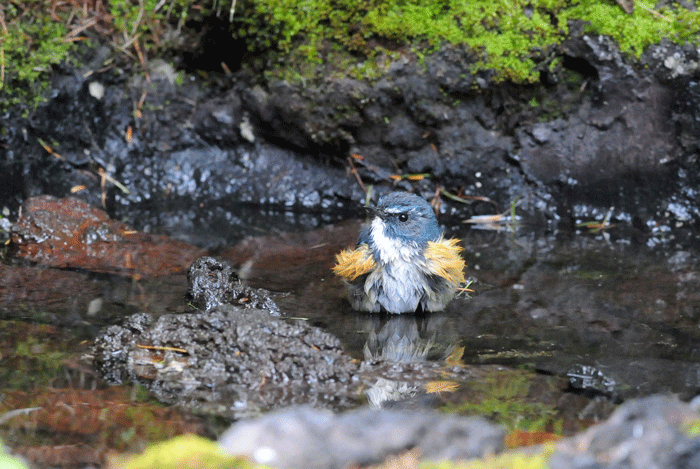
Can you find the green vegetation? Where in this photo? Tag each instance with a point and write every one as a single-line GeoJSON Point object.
{"type": "Point", "coordinates": [36, 35]}
{"type": "Point", "coordinates": [514, 38]}
{"type": "Point", "coordinates": [8, 462]}
{"type": "Point", "coordinates": [184, 452]}
{"type": "Point", "coordinates": [30, 45]}
{"type": "Point", "coordinates": [692, 428]}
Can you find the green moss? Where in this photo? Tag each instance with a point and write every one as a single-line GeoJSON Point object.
{"type": "Point", "coordinates": [512, 37]}
{"type": "Point", "coordinates": [36, 35]}
{"type": "Point", "coordinates": [184, 452]}
{"type": "Point", "coordinates": [692, 428]}
{"type": "Point", "coordinates": [30, 45]}
{"type": "Point", "coordinates": [8, 462]}
{"type": "Point", "coordinates": [635, 32]}
{"type": "Point", "coordinates": [358, 38]}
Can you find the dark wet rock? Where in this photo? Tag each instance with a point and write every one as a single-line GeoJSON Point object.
{"type": "Point", "coordinates": [305, 437]}
{"type": "Point", "coordinates": [622, 378]}
{"type": "Point", "coordinates": [617, 144]}
{"type": "Point", "coordinates": [237, 352]}
{"type": "Point", "coordinates": [670, 62]}
{"type": "Point", "coordinates": [212, 283]}
{"type": "Point", "coordinates": [687, 116]}
{"type": "Point", "coordinates": [649, 433]}
{"type": "Point", "coordinates": [230, 361]}
{"type": "Point", "coordinates": [205, 158]}
{"type": "Point", "coordinates": [70, 233]}
{"type": "Point", "coordinates": [447, 67]}
{"type": "Point", "coordinates": [574, 150]}
{"type": "Point", "coordinates": [614, 73]}
{"type": "Point", "coordinates": [194, 162]}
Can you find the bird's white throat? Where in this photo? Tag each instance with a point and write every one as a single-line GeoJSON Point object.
{"type": "Point", "coordinates": [390, 249]}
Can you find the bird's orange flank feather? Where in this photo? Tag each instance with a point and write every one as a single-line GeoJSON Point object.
{"type": "Point", "coordinates": [445, 261]}
{"type": "Point", "coordinates": [352, 264]}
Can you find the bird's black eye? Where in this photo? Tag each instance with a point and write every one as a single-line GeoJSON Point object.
{"type": "Point", "coordinates": [403, 217]}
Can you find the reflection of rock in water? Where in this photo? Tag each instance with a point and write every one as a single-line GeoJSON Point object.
{"type": "Point", "coordinates": [229, 361]}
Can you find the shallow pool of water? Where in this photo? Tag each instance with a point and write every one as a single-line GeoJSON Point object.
{"type": "Point", "coordinates": [558, 328]}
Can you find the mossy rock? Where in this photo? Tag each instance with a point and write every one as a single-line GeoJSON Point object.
{"type": "Point", "coordinates": [512, 40]}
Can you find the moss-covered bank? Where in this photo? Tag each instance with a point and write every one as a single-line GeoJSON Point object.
{"type": "Point", "coordinates": [515, 39]}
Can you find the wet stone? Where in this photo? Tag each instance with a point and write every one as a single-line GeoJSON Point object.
{"type": "Point", "coordinates": [212, 283]}
{"type": "Point", "coordinates": [229, 361]}
{"type": "Point", "coordinates": [309, 438]}
{"type": "Point", "coordinates": [648, 433]}
{"type": "Point", "coordinates": [71, 233]}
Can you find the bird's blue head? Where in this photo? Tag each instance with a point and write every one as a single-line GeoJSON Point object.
{"type": "Point", "coordinates": [404, 217]}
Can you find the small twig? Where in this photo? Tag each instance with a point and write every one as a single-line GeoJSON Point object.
{"type": "Point", "coordinates": [48, 149]}
{"type": "Point", "coordinates": [5, 33]}
{"type": "Point", "coordinates": [497, 219]}
{"type": "Point", "coordinates": [2, 64]}
{"type": "Point", "coordinates": [468, 199]}
{"type": "Point", "coordinates": [127, 42]}
{"type": "Point", "coordinates": [464, 288]}
{"type": "Point", "coordinates": [656, 13]}
{"type": "Point", "coordinates": [109, 178]}
{"type": "Point", "coordinates": [162, 348]}
{"type": "Point", "coordinates": [142, 60]}
{"type": "Point", "coordinates": [232, 11]}
{"type": "Point", "coordinates": [138, 19]}
{"type": "Point", "coordinates": [368, 195]}
{"type": "Point", "coordinates": [88, 24]}
{"type": "Point", "coordinates": [139, 106]}
{"type": "Point", "coordinates": [487, 219]}
{"type": "Point", "coordinates": [16, 413]}
{"type": "Point", "coordinates": [435, 202]}
{"type": "Point", "coordinates": [410, 177]}
{"type": "Point", "coordinates": [354, 172]}
{"type": "Point", "coordinates": [595, 227]}
{"type": "Point", "coordinates": [159, 5]}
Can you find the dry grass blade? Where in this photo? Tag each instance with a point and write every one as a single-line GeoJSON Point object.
{"type": "Point", "coordinates": [2, 47]}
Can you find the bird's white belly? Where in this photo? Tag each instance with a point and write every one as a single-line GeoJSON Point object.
{"type": "Point", "coordinates": [399, 281]}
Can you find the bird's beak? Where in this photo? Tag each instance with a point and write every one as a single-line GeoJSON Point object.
{"type": "Point", "coordinates": [375, 211]}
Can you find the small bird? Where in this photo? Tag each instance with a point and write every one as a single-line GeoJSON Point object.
{"type": "Point", "coordinates": [401, 262]}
